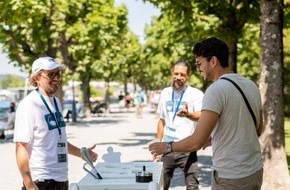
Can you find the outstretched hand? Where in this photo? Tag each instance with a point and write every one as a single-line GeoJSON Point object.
{"type": "Point", "coordinates": [158, 148]}
{"type": "Point", "coordinates": [92, 154]}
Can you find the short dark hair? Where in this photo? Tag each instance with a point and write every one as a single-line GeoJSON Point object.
{"type": "Point", "coordinates": [212, 47]}
{"type": "Point", "coordinates": [182, 63]}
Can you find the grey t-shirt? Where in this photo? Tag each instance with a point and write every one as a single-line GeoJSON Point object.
{"type": "Point", "coordinates": [235, 144]}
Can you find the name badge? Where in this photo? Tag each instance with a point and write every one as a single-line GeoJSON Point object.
{"type": "Point", "coordinates": [61, 152]}
{"type": "Point", "coordinates": [169, 134]}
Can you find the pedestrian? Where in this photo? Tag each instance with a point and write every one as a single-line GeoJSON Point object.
{"type": "Point", "coordinates": [173, 100]}
{"type": "Point", "coordinates": [121, 101]}
{"type": "Point", "coordinates": [10, 120]}
{"type": "Point", "coordinates": [226, 122]}
{"type": "Point", "coordinates": [128, 101]}
{"type": "Point", "coordinates": [138, 101]}
{"type": "Point", "coordinates": [40, 131]}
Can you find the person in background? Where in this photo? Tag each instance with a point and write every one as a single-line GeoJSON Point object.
{"type": "Point", "coordinates": [174, 125]}
{"type": "Point", "coordinates": [225, 122]}
{"type": "Point", "coordinates": [121, 101]}
{"type": "Point", "coordinates": [128, 101]}
{"type": "Point", "coordinates": [143, 100]}
{"type": "Point", "coordinates": [40, 132]}
{"type": "Point", "coordinates": [137, 101]}
{"type": "Point", "coordinates": [10, 120]}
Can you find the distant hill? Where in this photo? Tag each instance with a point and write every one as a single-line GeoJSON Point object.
{"type": "Point", "coordinates": [3, 75]}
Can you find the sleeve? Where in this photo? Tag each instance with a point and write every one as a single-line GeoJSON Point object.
{"type": "Point", "coordinates": [213, 99]}
{"type": "Point", "coordinates": [197, 104]}
{"type": "Point", "coordinates": [160, 108]}
{"type": "Point", "coordinates": [24, 123]}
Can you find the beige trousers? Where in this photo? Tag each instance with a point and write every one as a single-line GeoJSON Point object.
{"type": "Point", "coordinates": [252, 182]}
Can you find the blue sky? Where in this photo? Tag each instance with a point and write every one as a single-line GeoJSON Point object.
{"type": "Point", "coordinates": [139, 14]}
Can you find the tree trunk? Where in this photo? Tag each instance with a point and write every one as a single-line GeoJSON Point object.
{"type": "Point", "coordinates": [85, 86]}
{"type": "Point", "coordinates": [107, 92]}
{"type": "Point", "coordinates": [125, 85]}
{"type": "Point", "coordinates": [276, 175]}
{"type": "Point", "coordinates": [232, 44]}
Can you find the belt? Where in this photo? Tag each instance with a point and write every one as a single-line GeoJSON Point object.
{"type": "Point", "coordinates": [51, 182]}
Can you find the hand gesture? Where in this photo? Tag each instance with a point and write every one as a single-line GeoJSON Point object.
{"type": "Point", "coordinates": [92, 154]}
{"type": "Point", "coordinates": [183, 112]}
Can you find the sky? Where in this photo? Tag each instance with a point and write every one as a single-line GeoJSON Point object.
{"type": "Point", "coordinates": [139, 14]}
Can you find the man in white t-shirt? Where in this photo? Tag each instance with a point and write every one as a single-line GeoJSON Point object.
{"type": "Point", "coordinates": [40, 131]}
{"type": "Point", "coordinates": [175, 124]}
{"type": "Point", "coordinates": [226, 122]}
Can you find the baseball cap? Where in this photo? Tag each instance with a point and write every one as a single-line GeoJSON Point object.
{"type": "Point", "coordinates": [45, 63]}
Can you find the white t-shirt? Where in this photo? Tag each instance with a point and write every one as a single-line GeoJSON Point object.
{"type": "Point", "coordinates": [183, 126]}
{"type": "Point", "coordinates": [33, 125]}
{"type": "Point", "coordinates": [235, 144]}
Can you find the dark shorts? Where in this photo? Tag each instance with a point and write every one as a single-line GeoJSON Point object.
{"type": "Point", "coordinates": [50, 184]}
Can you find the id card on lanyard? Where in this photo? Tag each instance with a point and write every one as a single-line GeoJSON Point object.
{"type": "Point", "coordinates": [61, 144]}
{"type": "Point", "coordinates": [169, 132]}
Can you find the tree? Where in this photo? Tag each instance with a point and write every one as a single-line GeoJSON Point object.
{"type": "Point", "coordinates": [276, 174]}
{"type": "Point", "coordinates": [74, 31]}
{"type": "Point", "coordinates": [97, 26]}
{"type": "Point", "coordinates": [11, 81]}
{"type": "Point", "coordinates": [162, 48]}
{"type": "Point", "coordinates": [122, 59]}
{"type": "Point", "coordinates": [221, 18]}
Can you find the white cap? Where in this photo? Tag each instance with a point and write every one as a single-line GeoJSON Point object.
{"type": "Point", "coordinates": [45, 63]}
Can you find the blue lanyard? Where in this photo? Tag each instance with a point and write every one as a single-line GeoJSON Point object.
{"type": "Point", "coordinates": [47, 107]}
{"type": "Point", "coordinates": [178, 104]}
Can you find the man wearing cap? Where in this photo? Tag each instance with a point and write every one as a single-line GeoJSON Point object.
{"type": "Point", "coordinates": [40, 133]}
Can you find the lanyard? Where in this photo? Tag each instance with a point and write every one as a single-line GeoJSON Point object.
{"type": "Point", "coordinates": [178, 104]}
{"type": "Point", "coordinates": [47, 107]}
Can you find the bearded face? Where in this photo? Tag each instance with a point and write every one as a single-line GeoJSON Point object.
{"type": "Point", "coordinates": [179, 76]}
{"type": "Point", "coordinates": [48, 81]}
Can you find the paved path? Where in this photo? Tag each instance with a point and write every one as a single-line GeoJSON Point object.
{"type": "Point", "coordinates": [120, 130]}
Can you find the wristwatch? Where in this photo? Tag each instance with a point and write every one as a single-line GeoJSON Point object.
{"type": "Point", "coordinates": [169, 146]}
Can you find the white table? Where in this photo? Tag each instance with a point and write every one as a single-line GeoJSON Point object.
{"type": "Point", "coordinates": [122, 176]}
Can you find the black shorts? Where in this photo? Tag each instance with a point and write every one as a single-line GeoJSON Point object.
{"type": "Point", "coordinates": [50, 184]}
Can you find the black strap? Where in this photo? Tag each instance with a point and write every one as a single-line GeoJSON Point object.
{"type": "Point", "coordinates": [246, 101]}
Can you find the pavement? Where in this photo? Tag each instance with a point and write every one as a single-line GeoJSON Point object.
{"type": "Point", "coordinates": [122, 131]}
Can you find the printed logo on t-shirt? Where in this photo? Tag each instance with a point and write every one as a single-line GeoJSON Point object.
{"type": "Point", "coordinates": [51, 123]}
{"type": "Point", "coordinates": [169, 106]}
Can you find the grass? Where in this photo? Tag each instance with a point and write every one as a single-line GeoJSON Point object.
{"type": "Point", "coordinates": [287, 140]}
